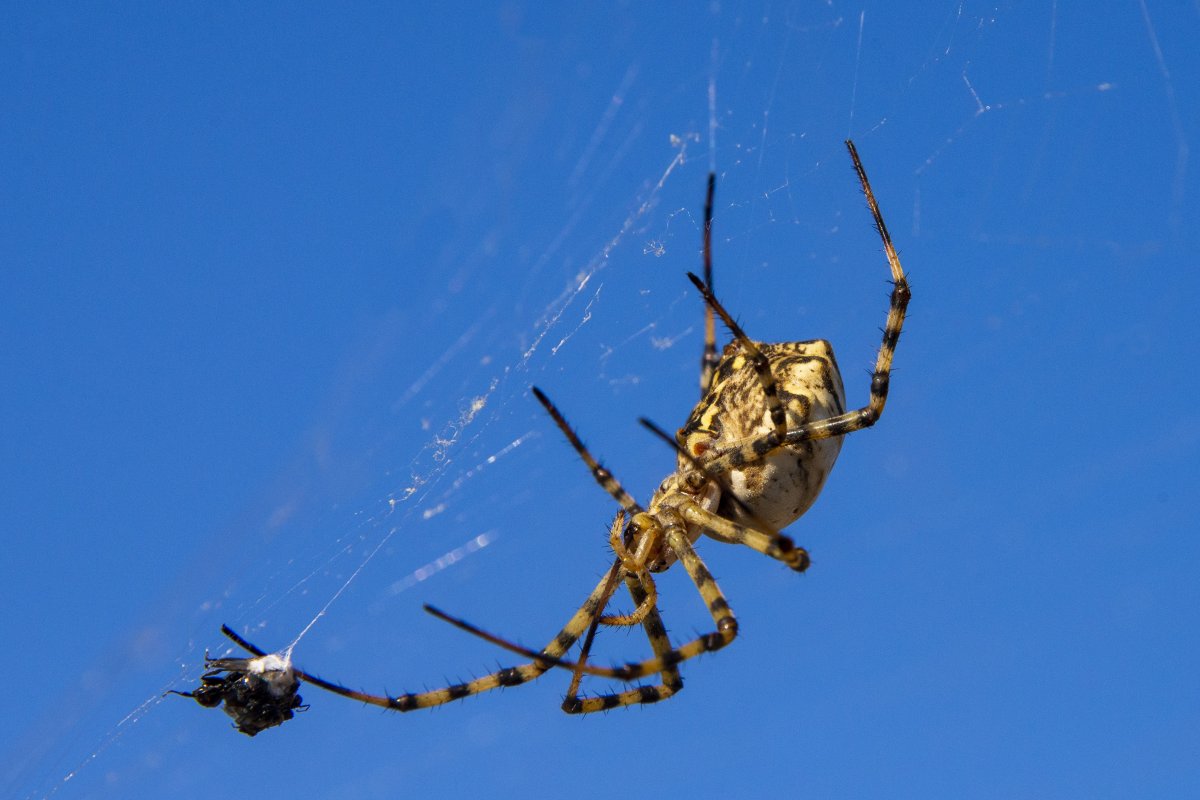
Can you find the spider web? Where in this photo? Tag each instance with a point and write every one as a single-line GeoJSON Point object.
{"type": "Point", "coordinates": [449, 242]}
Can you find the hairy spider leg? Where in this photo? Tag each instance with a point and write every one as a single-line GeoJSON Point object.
{"type": "Point", "coordinates": [520, 649]}
{"type": "Point", "coordinates": [666, 658]}
{"type": "Point", "coordinates": [671, 683]}
{"type": "Point", "coordinates": [602, 475]}
{"type": "Point", "coordinates": [644, 593]}
{"type": "Point", "coordinates": [708, 360]}
{"type": "Point", "coordinates": [773, 543]}
{"type": "Point", "coordinates": [616, 540]}
{"type": "Point", "coordinates": [616, 537]}
{"type": "Point", "coordinates": [718, 608]}
{"type": "Point", "coordinates": [584, 652]}
{"type": "Point", "coordinates": [737, 455]}
{"type": "Point", "coordinates": [656, 632]}
{"type": "Point", "coordinates": [777, 546]}
{"type": "Point", "coordinates": [633, 562]}
{"type": "Point", "coordinates": [665, 662]}
{"type": "Point", "coordinates": [513, 647]}
{"type": "Point", "coordinates": [551, 656]}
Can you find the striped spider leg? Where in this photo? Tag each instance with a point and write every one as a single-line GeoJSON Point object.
{"type": "Point", "coordinates": [731, 452]}
{"type": "Point", "coordinates": [550, 656]}
{"type": "Point", "coordinates": [708, 360]}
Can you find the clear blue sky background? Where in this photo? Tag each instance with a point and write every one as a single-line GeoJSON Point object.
{"type": "Point", "coordinates": [276, 280]}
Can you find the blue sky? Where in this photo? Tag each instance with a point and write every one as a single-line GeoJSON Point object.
{"type": "Point", "coordinates": [276, 282]}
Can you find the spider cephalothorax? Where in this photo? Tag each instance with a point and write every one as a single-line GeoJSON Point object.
{"type": "Point", "coordinates": [751, 459]}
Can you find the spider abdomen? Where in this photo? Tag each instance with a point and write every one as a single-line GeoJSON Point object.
{"type": "Point", "coordinates": [783, 486]}
{"type": "Point", "coordinates": [777, 483]}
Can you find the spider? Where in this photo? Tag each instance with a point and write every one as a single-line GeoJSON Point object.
{"type": "Point", "coordinates": [751, 459]}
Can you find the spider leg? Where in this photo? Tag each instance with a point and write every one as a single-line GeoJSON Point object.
{"type": "Point", "coordinates": [775, 545]}
{"type": "Point", "coordinates": [580, 667]}
{"type": "Point", "coordinates": [512, 676]}
{"type": "Point", "coordinates": [635, 564]}
{"type": "Point", "coordinates": [665, 661]}
{"type": "Point", "coordinates": [602, 475]}
{"type": "Point", "coordinates": [708, 360]}
{"type": "Point", "coordinates": [671, 683]}
{"type": "Point", "coordinates": [520, 650]}
{"type": "Point", "coordinates": [645, 597]}
{"type": "Point", "coordinates": [659, 641]}
{"type": "Point", "coordinates": [584, 651]}
{"type": "Point", "coordinates": [649, 595]}
{"type": "Point", "coordinates": [865, 417]}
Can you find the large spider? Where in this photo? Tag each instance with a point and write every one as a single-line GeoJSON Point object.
{"type": "Point", "coordinates": [751, 459]}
